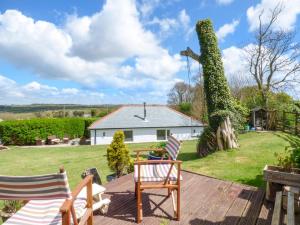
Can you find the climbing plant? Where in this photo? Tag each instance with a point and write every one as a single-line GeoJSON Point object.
{"type": "Point", "coordinates": [223, 111]}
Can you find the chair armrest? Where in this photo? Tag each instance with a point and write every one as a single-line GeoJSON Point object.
{"type": "Point", "coordinates": [66, 205]}
{"type": "Point", "coordinates": [145, 162]}
{"type": "Point", "coordinates": [68, 202]}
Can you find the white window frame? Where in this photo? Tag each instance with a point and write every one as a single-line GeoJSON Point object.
{"type": "Point", "coordinates": [166, 131]}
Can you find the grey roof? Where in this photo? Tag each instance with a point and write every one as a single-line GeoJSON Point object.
{"type": "Point", "coordinates": [133, 117]}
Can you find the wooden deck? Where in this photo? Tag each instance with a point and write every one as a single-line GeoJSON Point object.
{"type": "Point", "coordinates": [204, 201]}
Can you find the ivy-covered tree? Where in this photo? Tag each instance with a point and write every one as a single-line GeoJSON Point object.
{"type": "Point", "coordinates": [221, 106]}
{"type": "Point", "coordinates": [118, 154]}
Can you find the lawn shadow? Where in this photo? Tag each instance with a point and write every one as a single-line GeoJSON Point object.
{"type": "Point", "coordinates": [187, 156]}
{"type": "Point", "coordinates": [256, 182]}
{"type": "Point", "coordinates": [293, 140]}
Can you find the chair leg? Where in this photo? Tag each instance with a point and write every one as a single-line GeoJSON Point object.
{"type": "Point", "coordinates": [139, 204]}
{"type": "Point", "coordinates": [178, 203]}
{"type": "Point", "coordinates": [90, 220]}
{"type": "Point", "coordinates": [66, 218]}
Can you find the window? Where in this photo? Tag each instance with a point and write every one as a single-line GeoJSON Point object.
{"type": "Point", "coordinates": [194, 131]}
{"type": "Point", "coordinates": [168, 133]}
{"type": "Point", "coordinates": [128, 135]}
{"type": "Point", "coordinates": [103, 134]}
{"type": "Point", "coordinates": [161, 134]}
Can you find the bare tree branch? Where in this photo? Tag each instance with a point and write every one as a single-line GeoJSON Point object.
{"type": "Point", "coordinates": [189, 52]}
{"type": "Point", "coordinates": [273, 59]}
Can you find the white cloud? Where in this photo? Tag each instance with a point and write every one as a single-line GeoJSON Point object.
{"type": "Point", "coordinates": [234, 61]}
{"type": "Point", "coordinates": [227, 29]}
{"type": "Point", "coordinates": [286, 20]}
{"type": "Point", "coordinates": [170, 25]}
{"type": "Point", "coordinates": [147, 6]}
{"type": "Point", "coordinates": [13, 93]}
{"type": "Point", "coordinates": [166, 25]}
{"type": "Point", "coordinates": [184, 19]}
{"type": "Point", "coordinates": [224, 2]}
{"type": "Point", "coordinates": [90, 50]}
{"type": "Point", "coordinates": [71, 91]}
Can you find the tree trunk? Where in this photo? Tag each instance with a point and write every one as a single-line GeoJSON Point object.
{"type": "Point", "coordinates": [220, 133]}
{"type": "Point", "coordinates": [226, 138]}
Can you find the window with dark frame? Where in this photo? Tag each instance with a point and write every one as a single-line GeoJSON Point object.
{"type": "Point", "coordinates": [168, 133]}
{"type": "Point", "coordinates": [161, 135]}
{"type": "Point", "coordinates": [128, 135]}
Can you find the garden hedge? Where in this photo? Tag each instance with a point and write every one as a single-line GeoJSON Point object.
{"type": "Point", "coordinates": [25, 132]}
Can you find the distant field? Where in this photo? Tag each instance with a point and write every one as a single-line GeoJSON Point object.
{"type": "Point", "coordinates": [17, 112]}
{"type": "Point", "coordinates": [48, 107]}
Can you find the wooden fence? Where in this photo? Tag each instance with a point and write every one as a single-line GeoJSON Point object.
{"type": "Point", "coordinates": [288, 122]}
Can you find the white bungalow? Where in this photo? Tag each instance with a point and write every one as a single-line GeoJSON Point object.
{"type": "Point", "coordinates": [141, 123]}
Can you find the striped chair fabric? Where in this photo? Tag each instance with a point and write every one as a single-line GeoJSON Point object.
{"type": "Point", "coordinates": [53, 186]}
{"type": "Point", "coordinates": [44, 212]}
{"type": "Point", "coordinates": [172, 147]}
{"type": "Point", "coordinates": [155, 172]}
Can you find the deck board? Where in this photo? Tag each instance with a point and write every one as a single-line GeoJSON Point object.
{"type": "Point", "coordinates": [204, 201]}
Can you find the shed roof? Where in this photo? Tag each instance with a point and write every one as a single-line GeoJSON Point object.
{"type": "Point", "coordinates": [132, 116]}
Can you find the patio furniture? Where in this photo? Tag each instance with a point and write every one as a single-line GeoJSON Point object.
{"type": "Point", "coordinates": [290, 204]}
{"type": "Point", "coordinates": [98, 190]}
{"type": "Point", "coordinates": [52, 140]}
{"type": "Point", "coordinates": [50, 199]}
{"type": "Point", "coordinates": [158, 174]}
{"type": "Point", "coordinates": [99, 203]}
{"type": "Point", "coordinates": [39, 141]}
{"type": "Point", "coordinates": [66, 139]}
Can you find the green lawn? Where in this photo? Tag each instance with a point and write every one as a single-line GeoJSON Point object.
{"type": "Point", "coordinates": [243, 165]}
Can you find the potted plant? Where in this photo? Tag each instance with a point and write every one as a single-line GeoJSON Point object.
{"type": "Point", "coordinates": [10, 207]}
{"type": "Point", "coordinates": [157, 155]}
{"type": "Point", "coordinates": [118, 155]}
{"type": "Point", "coordinates": [286, 173]}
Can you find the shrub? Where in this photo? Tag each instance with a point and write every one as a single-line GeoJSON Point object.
{"type": "Point", "coordinates": [290, 158]}
{"type": "Point", "coordinates": [186, 108]}
{"type": "Point", "coordinates": [87, 123]}
{"type": "Point", "coordinates": [159, 145]}
{"type": "Point", "coordinates": [118, 154]}
{"type": "Point", "coordinates": [25, 132]}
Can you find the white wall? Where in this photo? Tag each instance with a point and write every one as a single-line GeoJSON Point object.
{"type": "Point", "coordinates": [146, 134]}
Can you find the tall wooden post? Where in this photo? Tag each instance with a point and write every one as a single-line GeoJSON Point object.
{"type": "Point", "coordinates": [283, 121]}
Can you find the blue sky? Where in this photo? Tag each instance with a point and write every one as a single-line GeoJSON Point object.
{"type": "Point", "coordinates": [116, 51]}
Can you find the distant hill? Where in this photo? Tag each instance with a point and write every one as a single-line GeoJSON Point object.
{"type": "Point", "coordinates": [48, 107]}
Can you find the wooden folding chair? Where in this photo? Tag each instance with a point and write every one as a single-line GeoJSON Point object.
{"type": "Point", "coordinates": [157, 174]}
{"type": "Point", "coordinates": [50, 199]}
